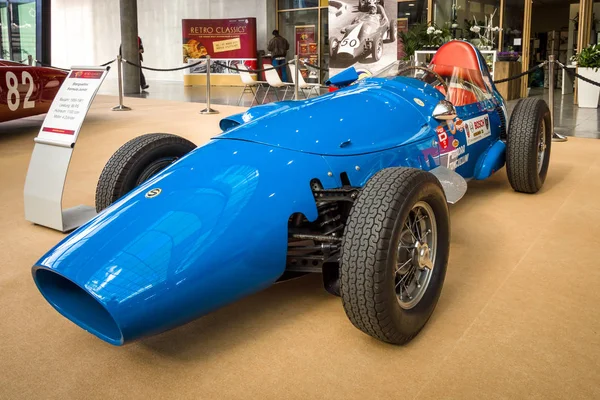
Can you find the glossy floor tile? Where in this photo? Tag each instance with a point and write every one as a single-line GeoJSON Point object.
{"type": "Point", "coordinates": [517, 318]}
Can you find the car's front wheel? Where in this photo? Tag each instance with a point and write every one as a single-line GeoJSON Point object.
{"type": "Point", "coordinates": [137, 161]}
{"type": "Point", "coordinates": [377, 50]}
{"type": "Point", "coordinates": [394, 254]}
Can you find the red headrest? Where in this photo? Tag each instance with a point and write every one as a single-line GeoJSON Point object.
{"type": "Point", "coordinates": [458, 54]}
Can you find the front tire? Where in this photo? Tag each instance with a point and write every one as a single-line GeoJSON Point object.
{"type": "Point", "coordinates": [395, 253]}
{"type": "Point", "coordinates": [377, 50]}
{"type": "Point", "coordinates": [137, 161]}
{"type": "Point", "coordinates": [528, 145]}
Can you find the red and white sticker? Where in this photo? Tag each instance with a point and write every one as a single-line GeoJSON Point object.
{"type": "Point", "coordinates": [442, 136]}
{"type": "Point", "coordinates": [477, 129]}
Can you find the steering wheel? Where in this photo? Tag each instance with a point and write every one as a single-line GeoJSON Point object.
{"type": "Point", "coordinates": [437, 76]}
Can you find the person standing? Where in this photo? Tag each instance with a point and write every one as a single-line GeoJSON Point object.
{"type": "Point", "coordinates": [143, 83]}
{"type": "Point", "coordinates": [278, 46]}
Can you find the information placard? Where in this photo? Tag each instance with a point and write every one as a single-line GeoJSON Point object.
{"type": "Point", "coordinates": [70, 106]}
{"type": "Point", "coordinates": [45, 181]}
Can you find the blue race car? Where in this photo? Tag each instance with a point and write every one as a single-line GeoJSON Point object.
{"type": "Point", "coordinates": [353, 184]}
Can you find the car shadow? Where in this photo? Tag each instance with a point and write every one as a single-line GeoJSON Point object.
{"type": "Point", "coordinates": [242, 321]}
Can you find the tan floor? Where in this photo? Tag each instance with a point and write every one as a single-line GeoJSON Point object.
{"type": "Point", "coordinates": [518, 316]}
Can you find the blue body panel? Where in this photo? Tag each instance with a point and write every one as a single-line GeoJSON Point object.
{"type": "Point", "coordinates": [218, 230]}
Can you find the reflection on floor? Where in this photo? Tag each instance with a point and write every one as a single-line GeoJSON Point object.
{"type": "Point", "coordinates": [569, 119]}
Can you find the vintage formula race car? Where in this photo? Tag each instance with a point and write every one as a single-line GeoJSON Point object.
{"type": "Point", "coordinates": [25, 90]}
{"type": "Point", "coordinates": [365, 35]}
{"type": "Point", "coordinates": [354, 184]}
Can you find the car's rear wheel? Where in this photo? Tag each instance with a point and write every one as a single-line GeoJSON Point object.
{"type": "Point", "coordinates": [393, 31]}
{"type": "Point", "coordinates": [136, 162]}
{"type": "Point", "coordinates": [528, 145]}
{"type": "Point", "coordinates": [377, 50]}
{"type": "Point", "coordinates": [394, 254]}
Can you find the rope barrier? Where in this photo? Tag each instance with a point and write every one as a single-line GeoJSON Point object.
{"type": "Point", "coordinates": [583, 78]}
{"type": "Point", "coordinates": [521, 74]}
{"type": "Point", "coordinates": [312, 65]}
{"type": "Point", "coordinates": [50, 66]}
{"type": "Point", "coordinates": [164, 69]}
{"type": "Point", "coordinates": [253, 70]}
{"type": "Point", "coordinates": [106, 64]}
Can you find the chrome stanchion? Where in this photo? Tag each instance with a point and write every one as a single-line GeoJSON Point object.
{"type": "Point", "coordinates": [30, 59]}
{"type": "Point", "coordinates": [120, 107]}
{"type": "Point", "coordinates": [208, 110]}
{"type": "Point", "coordinates": [297, 72]}
{"type": "Point", "coordinates": [551, 67]}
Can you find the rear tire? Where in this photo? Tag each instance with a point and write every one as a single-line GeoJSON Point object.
{"type": "Point", "coordinates": [375, 250]}
{"type": "Point", "coordinates": [392, 32]}
{"type": "Point", "coordinates": [137, 161]}
{"type": "Point", "coordinates": [528, 145]}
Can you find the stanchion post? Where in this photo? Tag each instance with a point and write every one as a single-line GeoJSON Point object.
{"type": "Point", "coordinates": [30, 59]}
{"type": "Point", "coordinates": [120, 107]}
{"type": "Point", "coordinates": [208, 109]}
{"type": "Point", "coordinates": [297, 72]}
{"type": "Point", "coordinates": [551, 68]}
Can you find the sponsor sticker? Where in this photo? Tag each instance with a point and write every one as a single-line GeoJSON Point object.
{"type": "Point", "coordinates": [477, 129]}
{"type": "Point", "coordinates": [455, 143]}
{"type": "Point", "coordinates": [442, 137]}
{"type": "Point", "coordinates": [456, 158]}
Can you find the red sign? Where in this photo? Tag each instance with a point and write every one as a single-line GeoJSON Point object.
{"type": "Point", "coordinates": [219, 38]}
{"type": "Point", "coordinates": [56, 130]}
{"type": "Point", "coordinates": [442, 136]}
{"type": "Point", "coordinates": [306, 44]}
{"type": "Point", "coordinates": [86, 74]}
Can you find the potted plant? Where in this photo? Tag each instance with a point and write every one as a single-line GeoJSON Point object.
{"type": "Point", "coordinates": [588, 62]}
{"type": "Point", "coordinates": [414, 39]}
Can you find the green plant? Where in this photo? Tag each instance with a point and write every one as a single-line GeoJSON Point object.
{"type": "Point", "coordinates": [589, 57]}
{"type": "Point", "coordinates": [414, 39]}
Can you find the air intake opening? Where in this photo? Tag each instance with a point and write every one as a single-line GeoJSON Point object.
{"type": "Point", "coordinates": [78, 305]}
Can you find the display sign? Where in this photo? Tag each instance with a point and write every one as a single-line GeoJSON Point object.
{"type": "Point", "coordinates": [70, 106]}
{"type": "Point", "coordinates": [227, 41]}
{"type": "Point", "coordinates": [54, 145]}
{"type": "Point", "coordinates": [306, 47]}
{"type": "Point", "coordinates": [362, 34]}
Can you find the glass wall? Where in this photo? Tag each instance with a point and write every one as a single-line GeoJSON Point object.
{"type": "Point", "coordinates": [512, 31]}
{"type": "Point", "coordinates": [412, 11]}
{"type": "Point", "coordinates": [304, 24]}
{"type": "Point", "coordinates": [18, 31]}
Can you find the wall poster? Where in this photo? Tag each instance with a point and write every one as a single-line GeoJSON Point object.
{"type": "Point", "coordinates": [362, 34]}
{"type": "Point", "coordinates": [307, 49]}
{"type": "Point", "coordinates": [228, 41]}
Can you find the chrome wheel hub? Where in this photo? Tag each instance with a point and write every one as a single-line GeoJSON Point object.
{"type": "Point", "coordinates": [416, 255]}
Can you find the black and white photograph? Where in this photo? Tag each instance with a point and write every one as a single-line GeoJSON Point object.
{"type": "Point", "coordinates": [214, 68]}
{"type": "Point", "coordinates": [362, 33]}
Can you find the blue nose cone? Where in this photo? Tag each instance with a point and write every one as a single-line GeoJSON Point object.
{"type": "Point", "coordinates": [208, 230]}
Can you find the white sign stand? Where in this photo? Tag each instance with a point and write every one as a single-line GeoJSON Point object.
{"type": "Point", "coordinates": [54, 145]}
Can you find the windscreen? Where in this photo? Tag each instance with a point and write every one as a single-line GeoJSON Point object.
{"type": "Point", "coordinates": [465, 86]}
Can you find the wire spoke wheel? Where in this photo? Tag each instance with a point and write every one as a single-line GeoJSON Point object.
{"type": "Point", "coordinates": [395, 254]}
{"type": "Point", "coordinates": [541, 147]}
{"type": "Point", "coordinates": [416, 255]}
